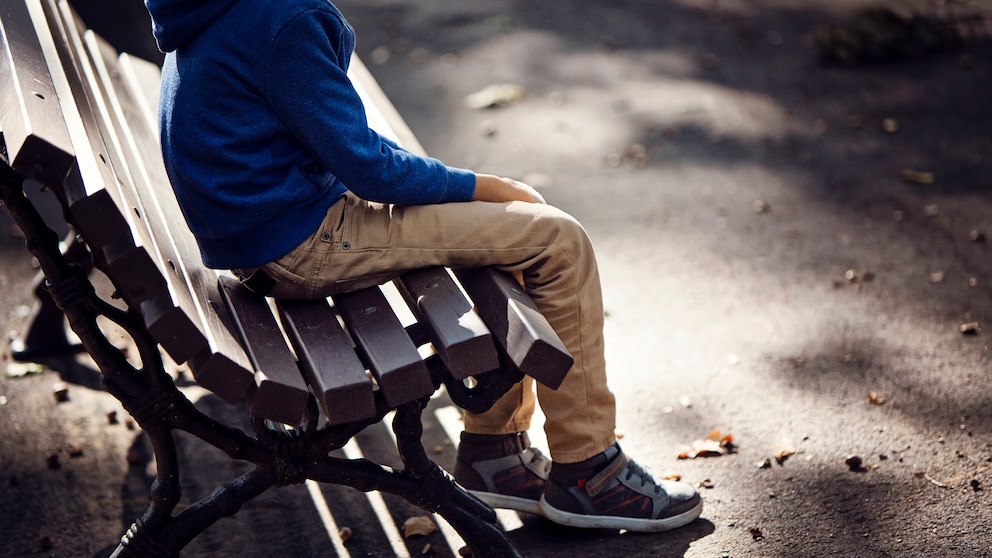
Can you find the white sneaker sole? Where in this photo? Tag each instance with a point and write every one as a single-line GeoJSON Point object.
{"type": "Point", "coordinates": [613, 522]}
{"type": "Point", "coordinates": [504, 502]}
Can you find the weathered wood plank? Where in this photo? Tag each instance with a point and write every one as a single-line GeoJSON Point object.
{"type": "Point", "coordinates": [518, 326]}
{"type": "Point", "coordinates": [398, 368]}
{"type": "Point", "coordinates": [224, 368]}
{"type": "Point", "coordinates": [280, 393]}
{"type": "Point", "coordinates": [127, 264]}
{"type": "Point", "coordinates": [37, 141]}
{"type": "Point", "coordinates": [458, 334]}
{"type": "Point", "coordinates": [332, 369]}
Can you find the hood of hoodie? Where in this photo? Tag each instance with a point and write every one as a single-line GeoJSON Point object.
{"type": "Point", "coordinates": [176, 21]}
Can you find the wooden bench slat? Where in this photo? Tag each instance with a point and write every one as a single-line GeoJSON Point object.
{"type": "Point", "coordinates": [81, 123]}
{"type": "Point", "coordinates": [332, 369]}
{"type": "Point", "coordinates": [458, 334]}
{"type": "Point", "coordinates": [38, 144]}
{"type": "Point", "coordinates": [280, 393]}
{"type": "Point", "coordinates": [93, 196]}
{"type": "Point", "coordinates": [398, 368]}
{"type": "Point", "coordinates": [518, 326]}
{"type": "Point", "coordinates": [145, 80]}
{"type": "Point", "coordinates": [225, 370]}
{"type": "Point", "coordinates": [179, 337]}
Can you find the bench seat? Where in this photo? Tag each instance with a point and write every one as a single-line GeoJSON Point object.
{"type": "Point", "coordinates": [80, 118]}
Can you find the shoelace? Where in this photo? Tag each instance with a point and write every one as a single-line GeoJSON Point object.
{"type": "Point", "coordinates": [646, 479]}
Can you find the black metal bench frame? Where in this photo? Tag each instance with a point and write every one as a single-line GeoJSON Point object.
{"type": "Point", "coordinates": [40, 47]}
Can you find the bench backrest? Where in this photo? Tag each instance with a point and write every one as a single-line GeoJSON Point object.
{"type": "Point", "coordinates": [81, 119]}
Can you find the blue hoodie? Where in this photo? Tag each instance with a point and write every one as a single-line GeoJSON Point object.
{"type": "Point", "coordinates": [262, 130]}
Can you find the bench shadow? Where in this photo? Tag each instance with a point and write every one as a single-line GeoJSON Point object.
{"type": "Point", "coordinates": [284, 522]}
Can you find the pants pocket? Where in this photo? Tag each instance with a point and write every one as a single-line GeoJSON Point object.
{"type": "Point", "coordinates": [288, 284]}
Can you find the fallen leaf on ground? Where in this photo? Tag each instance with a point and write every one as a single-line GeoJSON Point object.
{"type": "Point", "coordinates": [419, 525]}
{"type": "Point", "coordinates": [783, 453]}
{"type": "Point", "coordinates": [714, 445]}
{"type": "Point", "coordinates": [60, 390]}
{"type": "Point", "coordinates": [970, 328]}
{"type": "Point", "coordinates": [20, 369]}
{"type": "Point", "coordinates": [918, 177]}
{"type": "Point", "coordinates": [497, 95]}
{"type": "Point", "coordinates": [875, 398]}
{"type": "Point", "coordinates": [345, 534]}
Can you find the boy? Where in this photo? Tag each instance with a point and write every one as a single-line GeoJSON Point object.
{"type": "Point", "coordinates": [281, 180]}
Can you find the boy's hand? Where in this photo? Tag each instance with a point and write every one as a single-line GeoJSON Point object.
{"type": "Point", "coordinates": [493, 188]}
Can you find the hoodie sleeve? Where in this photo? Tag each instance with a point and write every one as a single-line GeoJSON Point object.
{"type": "Point", "coordinates": [308, 87]}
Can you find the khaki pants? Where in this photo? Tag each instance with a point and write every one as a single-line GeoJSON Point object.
{"type": "Point", "coordinates": [361, 243]}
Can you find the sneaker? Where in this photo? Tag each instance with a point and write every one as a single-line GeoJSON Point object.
{"type": "Point", "coordinates": [621, 495]}
{"type": "Point", "coordinates": [503, 471]}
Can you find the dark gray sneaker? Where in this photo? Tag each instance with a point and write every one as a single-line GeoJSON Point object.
{"type": "Point", "coordinates": [621, 495]}
{"type": "Point", "coordinates": [504, 472]}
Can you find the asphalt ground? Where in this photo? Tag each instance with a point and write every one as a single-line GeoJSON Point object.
{"type": "Point", "coordinates": [771, 271]}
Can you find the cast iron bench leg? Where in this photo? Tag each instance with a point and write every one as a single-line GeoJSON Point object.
{"type": "Point", "coordinates": [46, 335]}
{"type": "Point", "coordinates": [437, 492]}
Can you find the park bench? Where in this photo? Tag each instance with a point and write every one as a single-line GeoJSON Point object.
{"type": "Point", "coordinates": [79, 122]}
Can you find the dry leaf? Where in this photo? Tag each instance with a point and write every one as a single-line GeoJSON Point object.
{"type": "Point", "coordinates": [707, 448]}
{"type": "Point", "coordinates": [498, 95]}
{"type": "Point", "coordinates": [714, 445]}
{"type": "Point", "coordinates": [970, 328]}
{"type": "Point", "coordinates": [345, 534]}
{"type": "Point", "coordinates": [783, 453]}
{"type": "Point", "coordinates": [419, 525]}
{"type": "Point", "coordinates": [20, 369]}
{"type": "Point", "coordinates": [875, 398]}
{"type": "Point", "coordinates": [918, 177]}
{"type": "Point", "coordinates": [61, 392]}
